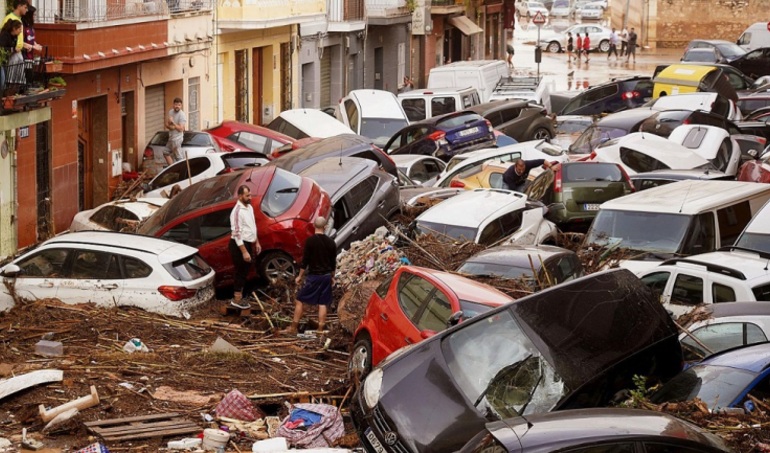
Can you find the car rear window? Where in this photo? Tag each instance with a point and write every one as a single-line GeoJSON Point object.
{"type": "Point", "coordinates": [189, 268]}
{"type": "Point", "coordinates": [640, 162]}
{"type": "Point", "coordinates": [459, 120]}
{"type": "Point", "coordinates": [196, 139]}
{"type": "Point", "coordinates": [453, 231]}
{"type": "Point", "coordinates": [591, 172]}
{"type": "Point", "coordinates": [762, 293]}
{"type": "Point", "coordinates": [281, 193]}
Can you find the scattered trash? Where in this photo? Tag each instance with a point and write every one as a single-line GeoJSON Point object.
{"type": "Point", "coordinates": [312, 425]}
{"type": "Point", "coordinates": [214, 439]}
{"type": "Point", "coordinates": [372, 258]}
{"type": "Point", "coordinates": [25, 381]}
{"type": "Point", "coordinates": [135, 345]}
{"type": "Point", "coordinates": [29, 443]}
{"type": "Point", "coordinates": [255, 430]}
{"type": "Point", "coordinates": [221, 345]}
{"type": "Point", "coordinates": [270, 445]}
{"type": "Point", "coordinates": [93, 448]}
{"type": "Point", "coordinates": [61, 418]}
{"type": "Point", "coordinates": [141, 427]}
{"type": "Point", "coordinates": [191, 397]}
{"type": "Point", "coordinates": [188, 443]}
{"type": "Point", "coordinates": [4, 443]}
{"type": "Point", "coordinates": [236, 405]}
{"type": "Point", "coordinates": [49, 348]}
{"type": "Point", "coordinates": [80, 404]}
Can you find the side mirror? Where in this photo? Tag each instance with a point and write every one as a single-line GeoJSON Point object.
{"type": "Point", "coordinates": [11, 271]}
{"type": "Point", "coordinates": [455, 318]}
{"type": "Point", "coordinates": [427, 334]}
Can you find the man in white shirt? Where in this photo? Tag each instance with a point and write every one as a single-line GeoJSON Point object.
{"type": "Point", "coordinates": [244, 244]}
{"type": "Point", "coordinates": [623, 42]}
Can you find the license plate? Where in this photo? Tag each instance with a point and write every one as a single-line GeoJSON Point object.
{"type": "Point", "coordinates": [591, 206]}
{"type": "Point", "coordinates": [471, 131]}
{"type": "Point", "coordinates": [376, 445]}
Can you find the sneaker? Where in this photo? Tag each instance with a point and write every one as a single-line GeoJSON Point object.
{"type": "Point", "coordinates": [243, 305]}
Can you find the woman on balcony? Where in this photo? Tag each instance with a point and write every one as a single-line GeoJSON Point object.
{"type": "Point", "coordinates": [13, 62]}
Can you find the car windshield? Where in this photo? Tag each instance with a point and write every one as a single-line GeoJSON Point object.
{"type": "Point", "coordinates": [441, 229]}
{"type": "Point", "coordinates": [471, 309]}
{"type": "Point", "coordinates": [381, 129]}
{"type": "Point", "coordinates": [593, 137]}
{"type": "Point", "coordinates": [496, 365]}
{"type": "Point", "coordinates": [581, 172]}
{"type": "Point", "coordinates": [717, 386]}
{"type": "Point", "coordinates": [729, 49]}
{"type": "Point", "coordinates": [495, 270]}
{"type": "Point", "coordinates": [700, 55]}
{"type": "Point", "coordinates": [754, 241]}
{"type": "Point", "coordinates": [572, 126]}
{"type": "Point", "coordinates": [643, 231]}
{"type": "Point", "coordinates": [560, 4]}
{"type": "Point", "coordinates": [281, 193]}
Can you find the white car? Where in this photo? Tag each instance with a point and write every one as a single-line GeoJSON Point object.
{"type": "Point", "coordinates": [725, 325]}
{"type": "Point", "coordinates": [193, 144]}
{"type": "Point", "coordinates": [560, 8]}
{"type": "Point", "coordinates": [533, 149]}
{"type": "Point", "coordinates": [722, 276]}
{"type": "Point", "coordinates": [712, 143]}
{"type": "Point", "coordinates": [710, 102]}
{"type": "Point", "coordinates": [375, 114]}
{"type": "Point", "coordinates": [184, 173]}
{"type": "Point", "coordinates": [304, 123]}
{"type": "Point", "coordinates": [421, 170]}
{"type": "Point", "coordinates": [110, 270]}
{"type": "Point", "coordinates": [557, 42]}
{"type": "Point", "coordinates": [590, 11]}
{"type": "Point", "coordinates": [529, 9]}
{"type": "Point", "coordinates": [641, 152]}
{"type": "Point", "coordinates": [488, 216]}
{"type": "Point", "coordinates": [116, 215]}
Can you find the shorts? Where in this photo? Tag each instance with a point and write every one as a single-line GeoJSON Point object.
{"type": "Point", "coordinates": [317, 290]}
{"type": "Point", "coordinates": [174, 148]}
{"type": "Point", "coordinates": [569, 48]}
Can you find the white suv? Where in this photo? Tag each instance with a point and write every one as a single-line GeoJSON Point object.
{"type": "Point", "coordinates": [110, 269]}
{"type": "Point", "coordinates": [724, 276]}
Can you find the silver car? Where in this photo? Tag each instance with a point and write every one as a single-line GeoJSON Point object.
{"type": "Point", "coordinates": [557, 42]}
{"type": "Point", "coordinates": [592, 11]}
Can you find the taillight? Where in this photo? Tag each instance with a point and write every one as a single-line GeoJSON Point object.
{"type": "Point", "coordinates": [687, 121]}
{"type": "Point", "coordinates": [592, 156]}
{"type": "Point", "coordinates": [457, 184]}
{"type": "Point", "coordinates": [226, 170]}
{"type": "Point", "coordinates": [149, 153]}
{"type": "Point", "coordinates": [761, 140]}
{"type": "Point", "coordinates": [437, 135]}
{"type": "Point", "coordinates": [630, 95]}
{"type": "Point", "coordinates": [628, 178]}
{"type": "Point", "coordinates": [557, 180]}
{"type": "Point", "coordinates": [176, 293]}
{"type": "Point", "coordinates": [489, 125]}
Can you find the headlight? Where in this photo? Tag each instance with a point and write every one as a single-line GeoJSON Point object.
{"type": "Point", "coordinates": [372, 387]}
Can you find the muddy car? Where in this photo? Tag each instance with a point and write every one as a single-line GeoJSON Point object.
{"type": "Point", "coordinates": [571, 346]}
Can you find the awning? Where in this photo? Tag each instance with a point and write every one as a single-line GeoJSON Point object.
{"type": "Point", "coordinates": [465, 25]}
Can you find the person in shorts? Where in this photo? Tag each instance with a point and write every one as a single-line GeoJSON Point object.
{"type": "Point", "coordinates": [509, 50]}
{"type": "Point", "coordinates": [570, 46]}
{"type": "Point", "coordinates": [176, 122]}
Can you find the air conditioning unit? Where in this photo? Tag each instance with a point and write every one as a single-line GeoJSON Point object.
{"type": "Point", "coordinates": [347, 42]}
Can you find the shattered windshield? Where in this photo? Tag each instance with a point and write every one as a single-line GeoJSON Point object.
{"type": "Point", "coordinates": [498, 368]}
{"type": "Point", "coordinates": [593, 137]}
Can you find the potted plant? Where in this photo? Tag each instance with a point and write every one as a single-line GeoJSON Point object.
{"type": "Point", "coordinates": [53, 66]}
{"type": "Point", "coordinates": [57, 82]}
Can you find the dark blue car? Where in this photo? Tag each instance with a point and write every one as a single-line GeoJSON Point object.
{"type": "Point", "coordinates": [723, 380]}
{"type": "Point", "coordinates": [616, 95]}
{"type": "Point", "coordinates": [443, 136]}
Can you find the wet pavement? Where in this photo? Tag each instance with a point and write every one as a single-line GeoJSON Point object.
{"type": "Point", "coordinates": [583, 74]}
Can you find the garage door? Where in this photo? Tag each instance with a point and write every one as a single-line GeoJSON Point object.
{"type": "Point", "coordinates": [326, 78]}
{"type": "Point", "coordinates": [154, 111]}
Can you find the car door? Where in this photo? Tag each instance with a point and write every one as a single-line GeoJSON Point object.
{"type": "Point", "coordinates": [398, 319]}
{"type": "Point", "coordinates": [754, 63]}
{"type": "Point", "coordinates": [95, 276]}
{"type": "Point", "coordinates": [361, 214]}
{"type": "Point", "coordinates": [433, 168]}
{"type": "Point", "coordinates": [41, 275]}
{"type": "Point", "coordinates": [658, 282]}
{"type": "Point", "coordinates": [510, 124]}
{"type": "Point", "coordinates": [135, 282]}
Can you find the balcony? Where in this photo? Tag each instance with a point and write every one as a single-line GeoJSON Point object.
{"type": "Point", "coordinates": [24, 86]}
{"type": "Point", "coordinates": [387, 12]}
{"type": "Point", "coordinates": [260, 14]}
{"type": "Point", "coordinates": [93, 13]}
{"type": "Point", "coordinates": [345, 15]}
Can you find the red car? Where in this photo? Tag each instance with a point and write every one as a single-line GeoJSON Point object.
{"type": "Point", "coordinates": [413, 305]}
{"type": "Point", "coordinates": [285, 206]}
{"type": "Point", "coordinates": [756, 170]}
{"type": "Point", "coordinates": [237, 136]}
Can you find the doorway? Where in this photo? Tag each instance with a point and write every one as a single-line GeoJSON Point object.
{"type": "Point", "coordinates": [85, 157]}
{"type": "Point", "coordinates": [256, 83]}
{"type": "Point", "coordinates": [242, 86]}
{"type": "Point", "coordinates": [45, 228]}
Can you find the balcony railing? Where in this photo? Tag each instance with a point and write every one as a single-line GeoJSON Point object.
{"type": "Point", "coordinates": [446, 3]}
{"type": "Point", "coordinates": [385, 8]}
{"type": "Point", "coordinates": [24, 85]}
{"type": "Point", "coordinates": [345, 10]}
{"type": "Point", "coordinates": [53, 11]}
{"type": "Point", "coordinates": [268, 11]}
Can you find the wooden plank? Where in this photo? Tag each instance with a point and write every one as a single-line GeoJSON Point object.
{"type": "Point", "coordinates": [25, 381]}
{"type": "Point", "coordinates": [132, 419]}
{"type": "Point", "coordinates": [147, 430]}
{"type": "Point", "coordinates": [169, 432]}
{"type": "Point", "coordinates": [138, 427]}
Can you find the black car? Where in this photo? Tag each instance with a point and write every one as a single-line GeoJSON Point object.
{"type": "Point", "coordinates": [345, 145]}
{"type": "Point", "coordinates": [724, 51]}
{"type": "Point", "coordinates": [443, 136]}
{"type": "Point", "coordinates": [612, 126]}
{"type": "Point", "coordinates": [518, 119]}
{"type": "Point", "coordinates": [610, 97]}
{"type": "Point", "coordinates": [663, 123]}
{"type": "Point", "coordinates": [574, 345]}
{"type": "Point", "coordinates": [755, 63]}
{"type": "Point", "coordinates": [595, 431]}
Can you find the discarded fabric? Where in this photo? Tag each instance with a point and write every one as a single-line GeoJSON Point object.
{"type": "Point", "coordinates": [321, 434]}
{"type": "Point", "coordinates": [236, 405]}
{"type": "Point", "coordinates": [93, 448]}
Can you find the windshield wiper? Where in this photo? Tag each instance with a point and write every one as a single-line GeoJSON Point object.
{"type": "Point", "coordinates": [493, 380]}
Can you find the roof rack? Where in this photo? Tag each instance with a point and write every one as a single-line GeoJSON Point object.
{"type": "Point", "coordinates": [761, 253]}
{"type": "Point", "coordinates": [716, 268]}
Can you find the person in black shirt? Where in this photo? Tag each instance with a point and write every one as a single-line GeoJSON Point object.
{"type": "Point", "coordinates": [515, 177]}
{"type": "Point", "coordinates": [319, 262]}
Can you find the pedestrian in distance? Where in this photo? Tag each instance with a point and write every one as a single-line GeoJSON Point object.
{"type": "Point", "coordinates": [319, 263]}
{"type": "Point", "coordinates": [614, 39]}
{"type": "Point", "coordinates": [623, 42]}
{"type": "Point", "coordinates": [570, 48]}
{"type": "Point", "coordinates": [579, 47]}
{"type": "Point", "coordinates": [176, 123]}
{"type": "Point", "coordinates": [632, 37]}
{"type": "Point", "coordinates": [586, 46]}
{"type": "Point", "coordinates": [516, 176]}
{"type": "Point", "coordinates": [510, 51]}
{"type": "Point", "coordinates": [244, 243]}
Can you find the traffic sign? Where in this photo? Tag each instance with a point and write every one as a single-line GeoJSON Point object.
{"type": "Point", "coordinates": [539, 19]}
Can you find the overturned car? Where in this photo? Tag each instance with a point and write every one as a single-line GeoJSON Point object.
{"type": "Point", "coordinates": [571, 346]}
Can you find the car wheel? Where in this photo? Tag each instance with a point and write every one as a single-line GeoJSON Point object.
{"type": "Point", "coordinates": [360, 361]}
{"type": "Point", "coordinates": [277, 266]}
{"type": "Point", "coordinates": [541, 133]}
{"type": "Point", "coordinates": [554, 47]}
{"type": "Point", "coordinates": [604, 46]}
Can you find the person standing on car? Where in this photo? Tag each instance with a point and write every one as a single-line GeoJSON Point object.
{"type": "Point", "coordinates": [586, 46]}
{"type": "Point", "coordinates": [510, 51]}
{"type": "Point", "coordinates": [570, 48]}
{"type": "Point", "coordinates": [515, 177]}
{"type": "Point", "coordinates": [244, 244]}
{"type": "Point", "coordinates": [631, 45]}
{"type": "Point", "coordinates": [176, 122]}
{"type": "Point", "coordinates": [613, 44]}
{"type": "Point", "coordinates": [319, 261]}
{"type": "Point", "coordinates": [579, 48]}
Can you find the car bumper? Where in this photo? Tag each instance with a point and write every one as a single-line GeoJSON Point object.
{"type": "Point", "coordinates": [374, 428]}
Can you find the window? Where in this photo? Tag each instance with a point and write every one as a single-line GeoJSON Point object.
{"type": "Point", "coordinates": [722, 336]}
{"type": "Point", "coordinates": [91, 264]}
{"type": "Point", "coordinates": [640, 162]}
{"type": "Point", "coordinates": [412, 291]}
{"type": "Point", "coordinates": [214, 225]}
{"type": "Point", "coordinates": [135, 268]}
{"type": "Point", "coordinates": [510, 114]}
{"type": "Point", "coordinates": [281, 125]}
{"type": "Point", "coordinates": [762, 293]}
{"type": "Point", "coordinates": [495, 118]}
{"type": "Point", "coordinates": [281, 193]}
{"type": "Point", "coordinates": [198, 165]}
{"type": "Point", "coordinates": [510, 222]}
{"type": "Point", "coordinates": [436, 313]}
{"type": "Point", "coordinates": [414, 108]}
{"type": "Point", "coordinates": [252, 141]}
{"type": "Point", "coordinates": [701, 236]}
{"type": "Point", "coordinates": [612, 448]}
{"type": "Point", "coordinates": [352, 111]}
{"type": "Point", "coordinates": [745, 39]}
{"type": "Point", "coordinates": [722, 293]}
{"type": "Point", "coordinates": [382, 289]}
{"type": "Point", "coordinates": [491, 233]}
{"type": "Point", "coordinates": [732, 220]}
{"type": "Point", "coordinates": [432, 168]}
{"type": "Point", "coordinates": [467, 101]}
{"type": "Point", "coordinates": [418, 172]}
{"type": "Point", "coordinates": [360, 194]}
{"type": "Point", "coordinates": [593, 172]}
{"type": "Point", "coordinates": [687, 290]}
{"type": "Point", "coordinates": [187, 269]}
{"type": "Point", "coordinates": [113, 217]}
{"type": "Point", "coordinates": [442, 105]}
{"type": "Point", "coordinates": [181, 233]}
{"type": "Point", "coordinates": [656, 282]}
{"type": "Point", "coordinates": [47, 263]}
{"type": "Point", "coordinates": [171, 175]}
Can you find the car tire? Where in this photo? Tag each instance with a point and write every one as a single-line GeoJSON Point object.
{"type": "Point", "coordinates": [540, 133]}
{"type": "Point", "coordinates": [360, 361]}
{"type": "Point", "coordinates": [554, 47]}
{"type": "Point", "coordinates": [604, 46]}
{"type": "Point", "coordinates": [276, 266]}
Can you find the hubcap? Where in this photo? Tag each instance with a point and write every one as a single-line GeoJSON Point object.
{"type": "Point", "coordinates": [358, 360]}
{"type": "Point", "coordinates": [541, 134]}
{"type": "Point", "coordinates": [279, 268]}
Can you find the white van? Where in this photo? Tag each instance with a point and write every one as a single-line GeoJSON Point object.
{"type": "Point", "coordinates": [756, 36]}
{"type": "Point", "coordinates": [375, 114]}
{"type": "Point", "coordinates": [423, 104]}
{"type": "Point", "coordinates": [756, 236]}
{"type": "Point", "coordinates": [678, 219]}
{"type": "Point", "coordinates": [480, 74]}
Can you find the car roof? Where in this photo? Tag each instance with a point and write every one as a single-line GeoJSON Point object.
{"type": "Point", "coordinates": [671, 153]}
{"type": "Point", "coordinates": [236, 126]}
{"type": "Point", "coordinates": [378, 104]}
{"type": "Point", "coordinates": [680, 175]}
{"type": "Point", "coordinates": [435, 91]}
{"type": "Point", "coordinates": [712, 41]}
{"type": "Point", "coordinates": [475, 205]}
{"type": "Point", "coordinates": [516, 254]}
{"type": "Point", "coordinates": [754, 358]}
{"type": "Point", "coordinates": [481, 154]}
{"type": "Point", "coordinates": [126, 241]}
{"type": "Point", "coordinates": [626, 118]}
{"type": "Point", "coordinates": [687, 197]}
{"type": "Point", "coordinates": [344, 143]}
{"type": "Point", "coordinates": [741, 264]}
{"type": "Point", "coordinates": [580, 425]}
{"type": "Point", "coordinates": [465, 288]}
{"type": "Point", "coordinates": [730, 309]}
{"type": "Point", "coordinates": [315, 123]}
{"type": "Point", "coordinates": [467, 64]}
{"type": "Point", "coordinates": [492, 105]}
{"type": "Point", "coordinates": [696, 71]}
{"type": "Point", "coordinates": [405, 160]}
{"type": "Point", "coordinates": [335, 173]}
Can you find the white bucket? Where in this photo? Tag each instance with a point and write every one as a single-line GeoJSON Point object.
{"type": "Point", "coordinates": [270, 445]}
{"type": "Point", "coordinates": [214, 438]}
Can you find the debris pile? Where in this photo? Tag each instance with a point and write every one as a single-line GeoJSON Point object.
{"type": "Point", "coordinates": [373, 258]}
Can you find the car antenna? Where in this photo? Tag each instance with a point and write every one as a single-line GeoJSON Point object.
{"type": "Point", "coordinates": [250, 173]}
{"type": "Point", "coordinates": [685, 197]}
{"type": "Point", "coordinates": [767, 263]}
